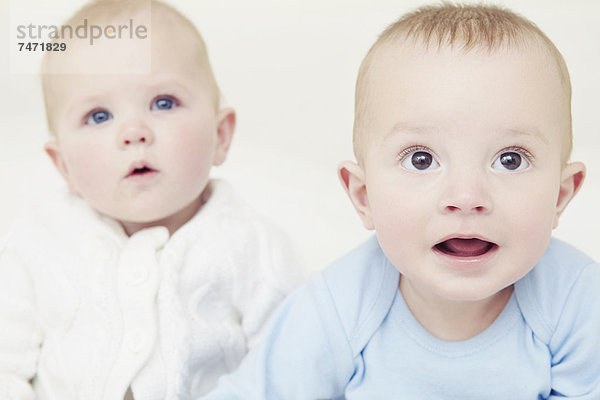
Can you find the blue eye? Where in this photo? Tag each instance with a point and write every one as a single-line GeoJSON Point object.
{"type": "Point", "coordinates": [98, 117]}
{"type": "Point", "coordinates": [163, 103]}
{"type": "Point", "coordinates": [512, 161]}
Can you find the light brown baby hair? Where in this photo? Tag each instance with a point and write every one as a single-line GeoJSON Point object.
{"type": "Point", "coordinates": [464, 27]}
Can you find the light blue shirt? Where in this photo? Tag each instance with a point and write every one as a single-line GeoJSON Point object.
{"type": "Point", "coordinates": [348, 334]}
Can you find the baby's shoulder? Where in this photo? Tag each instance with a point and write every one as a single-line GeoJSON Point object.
{"type": "Point", "coordinates": [38, 222]}
{"type": "Point", "coordinates": [563, 275]}
{"type": "Point", "coordinates": [228, 214]}
{"type": "Point", "coordinates": [62, 221]}
{"type": "Point", "coordinates": [242, 241]}
{"type": "Point", "coordinates": [362, 286]}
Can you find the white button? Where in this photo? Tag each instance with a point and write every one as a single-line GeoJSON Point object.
{"type": "Point", "coordinates": [137, 276]}
{"type": "Point", "coordinates": [136, 341]}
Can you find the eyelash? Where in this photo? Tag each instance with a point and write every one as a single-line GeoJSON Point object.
{"type": "Point", "coordinates": [416, 148]}
{"type": "Point", "coordinates": [175, 100]}
{"type": "Point", "coordinates": [520, 150]}
{"type": "Point", "coordinates": [413, 149]}
{"type": "Point", "coordinates": [89, 114]}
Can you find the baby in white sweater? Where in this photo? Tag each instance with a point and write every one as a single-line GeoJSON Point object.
{"type": "Point", "coordinates": [147, 279]}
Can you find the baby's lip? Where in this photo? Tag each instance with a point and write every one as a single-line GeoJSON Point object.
{"type": "Point", "coordinates": [465, 246]}
{"type": "Point", "coordinates": [138, 168]}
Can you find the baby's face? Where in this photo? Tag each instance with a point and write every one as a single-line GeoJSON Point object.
{"type": "Point", "coordinates": [139, 147]}
{"type": "Point", "coordinates": [462, 168]}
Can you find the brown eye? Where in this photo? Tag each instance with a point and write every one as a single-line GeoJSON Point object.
{"type": "Point", "coordinates": [421, 160]}
{"type": "Point", "coordinates": [418, 158]}
{"type": "Point", "coordinates": [510, 160]}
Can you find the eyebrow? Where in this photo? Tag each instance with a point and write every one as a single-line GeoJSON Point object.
{"type": "Point", "coordinates": [404, 127]}
{"type": "Point", "coordinates": [529, 132]}
{"type": "Point", "coordinates": [170, 82]}
{"type": "Point", "coordinates": [84, 103]}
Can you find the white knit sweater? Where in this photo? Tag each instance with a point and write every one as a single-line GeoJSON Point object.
{"type": "Point", "coordinates": [86, 311]}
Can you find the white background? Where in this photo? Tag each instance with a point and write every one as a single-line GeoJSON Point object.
{"type": "Point", "coordinates": [288, 67]}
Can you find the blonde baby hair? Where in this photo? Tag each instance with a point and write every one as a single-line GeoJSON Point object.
{"type": "Point", "coordinates": [106, 11]}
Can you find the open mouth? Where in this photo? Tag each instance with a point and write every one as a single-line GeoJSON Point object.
{"type": "Point", "coordinates": [465, 247]}
{"type": "Point", "coordinates": [140, 171]}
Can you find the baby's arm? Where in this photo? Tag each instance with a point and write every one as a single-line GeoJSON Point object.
{"type": "Point", "coordinates": [19, 331]}
{"type": "Point", "coordinates": [575, 345]}
{"type": "Point", "coordinates": [304, 354]}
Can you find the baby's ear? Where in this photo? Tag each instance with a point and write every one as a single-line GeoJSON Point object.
{"type": "Point", "coordinates": [572, 177]}
{"type": "Point", "coordinates": [225, 129]}
{"type": "Point", "coordinates": [352, 178]}
{"type": "Point", "coordinates": [53, 150]}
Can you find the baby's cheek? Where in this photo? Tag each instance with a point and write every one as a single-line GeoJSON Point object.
{"type": "Point", "coordinates": [400, 221]}
{"type": "Point", "coordinates": [192, 157]}
{"type": "Point", "coordinates": [532, 222]}
{"type": "Point", "coordinates": [87, 167]}
{"type": "Point", "coordinates": [196, 137]}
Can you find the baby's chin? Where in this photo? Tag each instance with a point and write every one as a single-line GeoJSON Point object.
{"type": "Point", "coordinates": [131, 227]}
{"type": "Point", "coordinates": [462, 292]}
{"type": "Point", "coordinates": [172, 219]}
{"type": "Point", "coordinates": [477, 295]}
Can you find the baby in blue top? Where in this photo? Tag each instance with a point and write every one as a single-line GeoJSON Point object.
{"type": "Point", "coordinates": [462, 136]}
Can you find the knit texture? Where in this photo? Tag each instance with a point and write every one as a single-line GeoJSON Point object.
{"type": "Point", "coordinates": [87, 312]}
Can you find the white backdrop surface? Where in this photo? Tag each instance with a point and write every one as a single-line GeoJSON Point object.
{"type": "Point", "coordinates": [288, 68]}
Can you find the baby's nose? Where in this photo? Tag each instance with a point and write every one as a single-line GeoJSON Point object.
{"type": "Point", "coordinates": [137, 133]}
{"type": "Point", "coordinates": [466, 194]}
